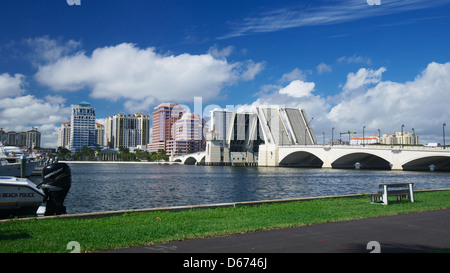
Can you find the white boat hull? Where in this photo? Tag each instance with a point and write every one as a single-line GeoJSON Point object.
{"type": "Point", "coordinates": [19, 196]}
{"type": "Point", "coordinates": [14, 169]}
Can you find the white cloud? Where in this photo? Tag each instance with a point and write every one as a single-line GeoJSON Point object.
{"type": "Point", "coordinates": [355, 59]}
{"type": "Point", "coordinates": [49, 50]}
{"type": "Point", "coordinates": [252, 69]}
{"type": "Point", "coordinates": [421, 104]}
{"type": "Point", "coordinates": [141, 76]}
{"type": "Point", "coordinates": [297, 94]}
{"type": "Point", "coordinates": [323, 67]}
{"type": "Point", "coordinates": [220, 53]}
{"type": "Point", "coordinates": [296, 74]}
{"type": "Point", "coordinates": [298, 89]}
{"type": "Point", "coordinates": [309, 15]}
{"type": "Point", "coordinates": [11, 86]}
{"type": "Point", "coordinates": [363, 77]}
{"type": "Point", "coordinates": [23, 112]}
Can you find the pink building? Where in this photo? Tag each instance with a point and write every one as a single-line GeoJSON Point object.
{"type": "Point", "coordinates": [164, 117]}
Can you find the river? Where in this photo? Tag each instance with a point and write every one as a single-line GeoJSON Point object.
{"type": "Point", "coordinates": [109, 187]}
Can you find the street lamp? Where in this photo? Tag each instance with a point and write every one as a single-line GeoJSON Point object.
{"type": "Point", "coordinates": [364, 127]}
{"type": "Point", "coordinates": [332, 131]}
{"type": "Point", "coordinates": [379, 136]}
{"type": "Point", "coordinates": [323, 133]}
{"type": "Point", "coordinates": [443, 132]}
{"type": "Point", "coordinates": [402, 134]}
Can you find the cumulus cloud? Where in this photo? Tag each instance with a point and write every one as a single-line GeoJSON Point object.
{"type": "Point", "coordinates": [23, 112]}
{"type": "Point", "coordinates": [421, 103]}
{"type": "Point", "coordinates": [11, 86]}
{"type": "Point", "coordinates": [142, 76]}
{"type": "Point", "coordinates": [296, 94]}
{"type": "Point", "coordinates": [298, 89]}
{"type": "Point", "coordinates": [363, 77]}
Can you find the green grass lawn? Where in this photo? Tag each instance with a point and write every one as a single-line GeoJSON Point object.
{"type": "Point", "coordinates": [141, 228]}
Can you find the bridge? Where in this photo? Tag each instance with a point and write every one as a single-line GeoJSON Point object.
{"type": "Point", "coordinates": [363, 157]}
{"type": "Point", "coordinates": [344, 157]}
{"type": "Point", "coordinates": [190, 159]}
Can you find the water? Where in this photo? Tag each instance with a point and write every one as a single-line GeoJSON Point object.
{"type": "Point", "coordinates": [108, 187]}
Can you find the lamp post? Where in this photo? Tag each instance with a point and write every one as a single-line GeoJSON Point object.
{"type": "Point", "coordinates": [379, 136]}
{"type": "Point", "coordinates": [332, 131]}
{"type": "Point", "coordinates": [443, 133]}
{"type": "Point", "coordinates": [402, 134]}
{"type": "Point", "coordinates": [364, 127]}
{"type": "Point", "coordinates": [414, 136]}
{"type": "Point", "coordinates": [323, 133]}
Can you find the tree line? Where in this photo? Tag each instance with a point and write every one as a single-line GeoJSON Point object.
{"type": "Point", "coordinates": [123, 154]}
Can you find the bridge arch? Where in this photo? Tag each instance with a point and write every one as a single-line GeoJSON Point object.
{"type": "Point", "coordinates": [301, 159]}
{"type": "Point", "coordinates": [190, 161]}
{"type": "Point", "coordinates": [364, 159]}
{"type": "Point", "coordinates": [427, 163]}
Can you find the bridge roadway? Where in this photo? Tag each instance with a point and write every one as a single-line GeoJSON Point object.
{"type": "Point", "coordinates": [346, 156]}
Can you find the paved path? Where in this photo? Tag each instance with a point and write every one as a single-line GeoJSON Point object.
{"type": "Point", "coordinates": [407, 233]}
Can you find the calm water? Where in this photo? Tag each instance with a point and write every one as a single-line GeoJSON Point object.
{"type": "Point", "coordinates": [107, 187]}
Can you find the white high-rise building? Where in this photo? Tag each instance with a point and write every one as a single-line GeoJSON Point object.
{"type": "Point", "coordinates": [82, 127]}
{"type": "Point", "coordinates": [64, 135]}
{"type": "Point", "coordinates": [127, 131]}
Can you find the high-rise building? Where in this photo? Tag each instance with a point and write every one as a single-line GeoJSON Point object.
{"type": "Point", "coordinates": [2, 136]}
{"type": "Point", "coordinates": [127, 131]}
{"type": "Point", "coordinates": [189, 134]}
{"type": "Point", "coordinates": [164, 117]}
{"type": "Point", "coordinates": [64, 135]}
{"type": "Point", "coordinates": [82, 127]}
{"type": "Point", "coordinates": [22, 139]}
{"type": "Point", "coordinates": [33, 138]}
{"type": "Point", "coordinates": [28, 139]}
{"type": "Point", "coordinates": [100, 131]}
{"type": "Point", "coordinates": [11, 138]}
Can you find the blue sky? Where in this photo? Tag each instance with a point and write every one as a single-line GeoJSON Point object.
{"type": "Point", "coordinates": [347, 63]}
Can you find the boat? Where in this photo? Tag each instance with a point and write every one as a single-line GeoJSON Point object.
{"type": "Point", "coordinates": [19, 197]}
{"type": "Point", "coordinates": [13, 159]}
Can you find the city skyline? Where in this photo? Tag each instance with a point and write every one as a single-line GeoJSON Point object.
{"type": "Point", "coordinates": [349, 64]}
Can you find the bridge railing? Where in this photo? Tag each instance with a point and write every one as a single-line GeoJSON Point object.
{"type": "Point", "coordinates": [384, 147]}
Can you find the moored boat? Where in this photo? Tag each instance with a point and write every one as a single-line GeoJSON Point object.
{"type": "Point", "coordinates": [13, 162]}
{"type": "Point", "coordinates": [19, 196]}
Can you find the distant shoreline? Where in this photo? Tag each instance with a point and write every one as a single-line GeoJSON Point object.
{"type": "Point", "coordinates": [122, 162]}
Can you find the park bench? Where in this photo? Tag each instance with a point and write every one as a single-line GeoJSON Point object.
{"type": "Point", "coordinates": [404, 190]}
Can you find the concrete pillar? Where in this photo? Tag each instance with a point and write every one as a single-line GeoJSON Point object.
{"type": "Point", "coordinates": [396, 166]}
{"type": "Point", "coordinates": [268, 155]}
